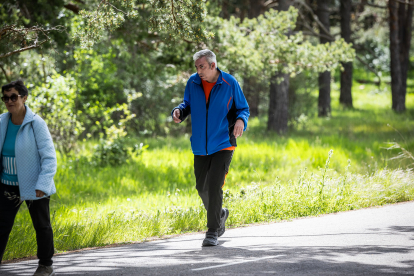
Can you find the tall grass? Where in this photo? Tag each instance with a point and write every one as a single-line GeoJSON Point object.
{"type": "Point", "coordinates": [271, 178]}
{"type": "Point", "coordinates": [134, 219]}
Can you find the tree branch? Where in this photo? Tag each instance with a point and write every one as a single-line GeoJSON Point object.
{"type": "Point", "coordinates": [408, 2]}
{"type": "Point", "coordinates": [72, 8]}
{"type": "Point", "coordinates": [309, 9]}
{"type": "Point", "coordinates": [317, 35]}
{"type": "Point", "coordinates": [376, 6]}
{"type": "Point", "coordinates": [4, 72]}
{"type": "Point", "coordinates": [278, 61]}
{"type": "Point", "coordinates": [24, 49]}
{"type": "Point", "coordinates": [370, 69]}
{"type": "Point", "coordinates": [269, 2]}
{"type": "Point", "coordinates": [172, 11]}
{"type": "Point", "coordinates": [115, 8]}
{"type": "Point", "coordinates": [312, 32]}
{"type": "Point", "coordinates": [5, 30]}
{"type": "Point", "coordinates": [22, 36]}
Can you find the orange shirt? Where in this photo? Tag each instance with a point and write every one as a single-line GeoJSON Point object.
{"type": "Point", "coordinates": [207, 86]}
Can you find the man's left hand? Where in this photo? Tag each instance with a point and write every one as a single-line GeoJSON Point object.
{"type": "Point", "coordinates": [238, 128]}
{"type": "Point", "coordinates": [39, 193]}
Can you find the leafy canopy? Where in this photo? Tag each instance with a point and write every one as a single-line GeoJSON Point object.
{"type": "Point", "coordinates": [269, 44]}
{"type": "Point", "coordinates": [179, 18]}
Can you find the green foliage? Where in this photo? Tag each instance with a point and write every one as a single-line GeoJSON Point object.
{"type": "Point", "coordinates": [178, 18]}
{"type": "Point", "coordinates": [138, 60]}
{"type": "Point", "coordinates": [27, 25]}
{"type": "Point", "coordinates": [111, 154]}
{"type": "Point", "coordinates": [112, 149]}
{"type": "Point", "coordinates": [370, 33]}
{"type": "Point", "coordinates": [271, 178]}
{"type": "Point", "coordinates": [114, 152]}
{"type": "Point", "coordinates": [305, 196]}
{"type": "Point", "coordinates": [235, 51]}
{"type": "Point", "coordinates": [164, 213]}
{"type": "Point", "coordinates": [55, 102]}
{"type": "Point", "coordinates": [303, 100]}
{"type": "Point", "coordinates": [100, 91]}
{"type": "Point", "coordinates": [95, 24]}
{"type": "Point", "coordinates": [266, 45]}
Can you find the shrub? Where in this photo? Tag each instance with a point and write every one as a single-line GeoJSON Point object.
{"type": "Point", "coordinates": [113, 148]}
{"type": "Point", "coordinates": [54, 101]}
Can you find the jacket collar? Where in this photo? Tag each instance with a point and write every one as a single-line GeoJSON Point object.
{"type": "Point", "coordinates": [28, 117]}
{"type": "Point", "coordinates": [197, 78]}
{"type": "Point", "coordinates": [4, 122]}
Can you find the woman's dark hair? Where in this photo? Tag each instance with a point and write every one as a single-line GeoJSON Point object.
{"type": "Point", "coordinates": [18, 85]}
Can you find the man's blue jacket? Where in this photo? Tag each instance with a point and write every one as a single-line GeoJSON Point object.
{"type": "Point", "coordinates": [213, 122]}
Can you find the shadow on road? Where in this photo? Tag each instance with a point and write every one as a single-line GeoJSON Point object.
{"type": "Point", "coordinates": [163, 258]}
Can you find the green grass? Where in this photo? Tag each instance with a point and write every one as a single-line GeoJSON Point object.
{"type": "Point", "coordinates": [271, 178]}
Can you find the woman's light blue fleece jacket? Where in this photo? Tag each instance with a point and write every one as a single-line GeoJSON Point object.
{"type": "Point", "coordinates": [35, 155]}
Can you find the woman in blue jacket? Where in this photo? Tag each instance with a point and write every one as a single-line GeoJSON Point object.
{"type": "Point", "coordinates": [27, 166]}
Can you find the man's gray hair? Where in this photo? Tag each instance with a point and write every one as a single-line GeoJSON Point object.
{"type": "Point", "coordinates": [210, 56]}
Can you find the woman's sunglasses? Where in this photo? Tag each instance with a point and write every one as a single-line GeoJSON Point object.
{"type": "Point", "coordinates": [13, 98]}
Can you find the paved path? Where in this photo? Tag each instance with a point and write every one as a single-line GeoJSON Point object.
{"type": "Point", "coordinates": [375, 241]}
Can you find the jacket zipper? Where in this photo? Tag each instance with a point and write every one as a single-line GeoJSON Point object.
{"type": "Point", "coordinates": [17, 173]}
{"type": "Point", "coordinates": [207, 105]}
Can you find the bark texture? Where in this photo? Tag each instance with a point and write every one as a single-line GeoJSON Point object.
{"type": "Point", "coordinates": [225, 9]}
{"type": "Point", "coordinates": [278, 114]}
{"type": "Point", "coordinates": [251, 92]}
{"type": "Point", "coordinates": [345, 96]}
{"type": "Point", "coordinates": [400, 21]}
{"type": "Point", "coordinates": [324, 79]}
{"type": "Point", "coordinates": [257, 8]}
{"type": "Point", "coordinates": [279, 104]}
{"type": "Point", "coordinates": [250, 86]}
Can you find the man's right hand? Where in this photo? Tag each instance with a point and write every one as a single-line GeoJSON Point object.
{"type": "Point", "coordinates": [176, 116]}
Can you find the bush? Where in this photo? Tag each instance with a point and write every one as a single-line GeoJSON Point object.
{"type": "Point", "coordinates": [113, 148]}
{"type": "Point", "coordinates": [115, 152]}
{"type": "Point", "coordinates": [54, 101]}
{"type": "Point", "coordinates": [110, 153]}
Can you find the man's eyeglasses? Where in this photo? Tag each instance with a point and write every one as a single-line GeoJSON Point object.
{"type": "Point", "coordinates": [13, 98]}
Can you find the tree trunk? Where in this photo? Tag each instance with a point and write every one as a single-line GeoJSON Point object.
{"type": "Point", "coordinates": [324, 80]}
{"type": "Point", "coordinates": [405, 16]}
{"type": "Point", "coordinates": [279, 104]}
{"type": "Point", "coordinates": [396, 83]}
{"type": "Point", "coordinates": [400, 39]}
{"type": "Point", "coordinates": [5, 73]}
{"type": "Point", "coordinates": [252, 95]}
{"type": "Point", "coordinates": [284, 5]}
{"type": "Point", "coordinates": [225, 9]}
{"type": "Point", "coordinates": [250, 87]}
{"type": "Point", "coordinates": [256, 8]}
{"type": "Point", "coordinates": [345, 97]}
{"type": "Point", "coordinates": [278, 114]}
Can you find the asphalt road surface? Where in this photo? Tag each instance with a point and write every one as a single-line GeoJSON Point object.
{"type": "Point", "coordinates": [374, 241]}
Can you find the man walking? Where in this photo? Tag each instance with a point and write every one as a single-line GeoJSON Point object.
{"type": "Point", "coordinates": [219, 114]}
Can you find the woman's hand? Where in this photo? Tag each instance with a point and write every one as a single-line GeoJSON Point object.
{"type": "Point", "coordinates": [39, 193]}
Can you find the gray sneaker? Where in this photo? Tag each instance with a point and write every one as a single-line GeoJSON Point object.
{"type": "Point", "coordinates": [211, 239]}
{"type": "Point", "coordinates": [43, 270]}
{"type": "Point", "coordinates": [224, 215]}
